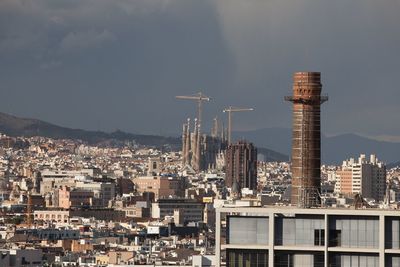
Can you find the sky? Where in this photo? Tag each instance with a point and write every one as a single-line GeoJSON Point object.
{"type": "Point", "coordinates": [118, 64]}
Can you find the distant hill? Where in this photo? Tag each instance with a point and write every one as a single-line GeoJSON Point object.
{"type": "Point", "coordinates": [340, 147]}
{"type": "Point", "coordinates": [393, 165]}
{"type": "Point", "coordinates": [277, 139]}
{"type": "Point", "coordinates": [270, 155]}
{"type": "Point", "coordinates": [15, 126]}
{"type": "Point", "coordinates": [335, 149]}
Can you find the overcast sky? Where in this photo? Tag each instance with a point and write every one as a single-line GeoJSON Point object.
{"type": "Point", "coordinates": [117, 64]}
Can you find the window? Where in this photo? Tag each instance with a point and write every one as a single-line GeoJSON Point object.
{"type": "Point", "coordinates": [244, 258]}
{"type": "Point", "coordinates": [283, 260]}
{"type": "Point", "coordinates": [335, 237]}
{"type": "Point", "coordinates": [319, 237]}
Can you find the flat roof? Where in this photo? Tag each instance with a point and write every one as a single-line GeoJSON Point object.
{"type": "Point", "coordinates": [315, 211]}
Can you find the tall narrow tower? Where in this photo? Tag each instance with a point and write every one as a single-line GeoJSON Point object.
{"type": "Point", "coordinates": [184, 140]}
{"type": "Point", "coordinates": [187, 143]}
{"type": "Point", "coordinates": [306, 139]}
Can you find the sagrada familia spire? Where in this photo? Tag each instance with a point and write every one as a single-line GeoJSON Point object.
{"type": "Point", "coordinates": [200, 151]}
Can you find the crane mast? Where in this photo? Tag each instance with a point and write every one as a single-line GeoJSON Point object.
{"type": "Point", "coordinates": [229, 110]}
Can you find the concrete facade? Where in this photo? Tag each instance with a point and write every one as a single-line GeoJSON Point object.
{"type": "Point", "coordinates": [289, 236]}
{"type": "Point", "coordinates": [366, 177]}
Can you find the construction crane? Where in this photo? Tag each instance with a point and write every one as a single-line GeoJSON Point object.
{"type": "Point", "coordinates": [199, 98]}
{"type": "Point", "coordinates": [229, 111]}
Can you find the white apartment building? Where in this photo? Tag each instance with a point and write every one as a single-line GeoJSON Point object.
{"type": "Point", "coordinates": [367, 178]}
{"type": "Point", "coordinates": [189, 210]}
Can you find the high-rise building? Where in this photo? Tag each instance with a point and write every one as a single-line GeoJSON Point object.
{"type": "Point", "coordinates": [306, 139]}
{"type": "Point", "coordinates": [241, 165]}
{"type": "Point", "coordinates": [364, 177]}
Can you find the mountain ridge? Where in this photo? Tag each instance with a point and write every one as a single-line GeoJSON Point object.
{"type": "Point", "coordinates": [15, 126]}
{"type": "Point", "coordinates": [334, 149]}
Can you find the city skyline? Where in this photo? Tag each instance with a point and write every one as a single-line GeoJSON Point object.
{"type": "Point", "coordinates": [84, 69]}
{"type": "Point", "coordinates": [192, 133]}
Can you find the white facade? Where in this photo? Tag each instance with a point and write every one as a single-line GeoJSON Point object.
{"type": "Point", "coordinates": [66, 174]}
{"type": "Point", "coordinates": [188, 210]}
{"type": "Point", "coordinates": [368, 178]}
{"type": "Point", "coordinates": [289, 236]}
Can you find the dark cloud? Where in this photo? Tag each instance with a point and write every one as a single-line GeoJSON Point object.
{"type": "Point", "coordinates": [101, 64]}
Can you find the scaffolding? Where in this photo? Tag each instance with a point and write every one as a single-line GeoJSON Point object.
{"type": "Point", "coordinates": [306, 140]}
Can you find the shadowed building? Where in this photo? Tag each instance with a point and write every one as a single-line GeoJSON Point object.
{"type": "Point", "coordinates": [306, 138]}
{"type": "Point", "coordinates": [241, 165]}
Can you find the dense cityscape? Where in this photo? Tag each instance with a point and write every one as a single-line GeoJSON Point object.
{"type": "Point", "coordinates": [68, 203]}
{"type": "Point", "coordinates": [199, 133]}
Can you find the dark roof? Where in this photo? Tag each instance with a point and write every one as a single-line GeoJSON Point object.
{"type": "Point", "coordinates": [22, 238]}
